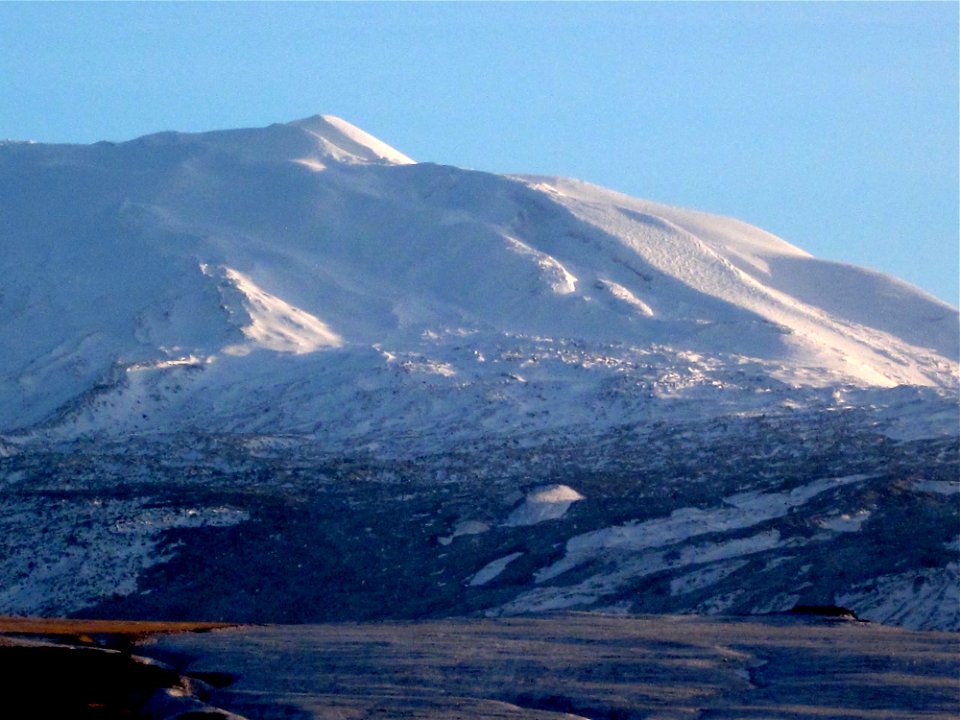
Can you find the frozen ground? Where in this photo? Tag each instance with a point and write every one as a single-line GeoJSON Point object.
{"type": "Point", "coordinates": [578, 666]}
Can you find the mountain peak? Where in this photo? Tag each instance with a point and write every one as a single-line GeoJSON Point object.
{"type": "Point", "coordinates": [346, 142]}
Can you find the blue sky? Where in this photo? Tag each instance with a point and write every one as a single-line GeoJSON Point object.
{"type": "Point", "coordinates": [834, 126]}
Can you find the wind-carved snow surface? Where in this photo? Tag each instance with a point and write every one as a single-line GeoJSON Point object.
{"type": "Point", "coordinates": [555, 274]}
{"type": "Point", "coordinates": [276, 325]}
{"type": "Point", "coordinates": [829, 309]}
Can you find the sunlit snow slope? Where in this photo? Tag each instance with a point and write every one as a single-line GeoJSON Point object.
{"type": "Point", "coordinates": [275, 278]}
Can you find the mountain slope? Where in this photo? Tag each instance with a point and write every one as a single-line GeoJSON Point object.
{"type": "Point", "coordinates": [301, 306]}
{"type": "Point", "coordinates": [131, 253]}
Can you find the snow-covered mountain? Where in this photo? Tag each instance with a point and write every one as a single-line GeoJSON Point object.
{"type": "Point", "coordinates": [295, 302]}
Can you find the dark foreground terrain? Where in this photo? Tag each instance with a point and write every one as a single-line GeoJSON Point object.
{"type": "Point", "coordinates": [562, 666]}
{"type": "Point", "coordinates": [88, 670]}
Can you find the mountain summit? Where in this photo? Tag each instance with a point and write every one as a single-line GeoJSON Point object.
{"type": "Point", "coordinates": [347, 143]}
{"type": "Point", "coordinates": [259, 301]}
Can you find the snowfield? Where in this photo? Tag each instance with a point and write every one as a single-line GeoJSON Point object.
{"type": "Point", "coordinates": [502, 394]}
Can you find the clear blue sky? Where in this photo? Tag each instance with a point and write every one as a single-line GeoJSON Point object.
{"type": "Point", "coordinates": [834, 126]}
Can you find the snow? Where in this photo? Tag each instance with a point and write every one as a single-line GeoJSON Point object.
{"type": "Point", "coordinates": [65, 572]}
{"type": "Point", "coordinates": [940, 487]}
{"type": "Point", "coordinates": [560, 280]}
{"type": "Point", "coordinates": [704, 577]}
{"type": "Point", "coordinates": [276, 325]}
{"type": "Point", "coordinates": [846, 522]}
{"type": "Point", "coordinates": [465, 527]}
{"type": "Point", "coordinates": [222, 245]}
{"type": "Point", "coordinates": [830, 308]}
{"type": "Point", "coordinates": [923, 600]}
{"type": "Point", "coordinates": [624, 295]}
{"type": "Point", "coordinates": [741, 511]}
{"type": "Point", "coordinates": [550, 502]}
{"type": "Point", "coordinates": [189, 361]}
{"type": "Point", "coordinates": [630, 567]}
{"type": "Point", "coordinates": [633, 550]}
{"type": "Point", "coordinates": [348, 143]}
{"type": "Point", "coordinates": [492, 569]}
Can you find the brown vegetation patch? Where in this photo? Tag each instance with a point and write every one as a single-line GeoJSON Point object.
{"type": "Point", "coordinates": [114, 634]}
